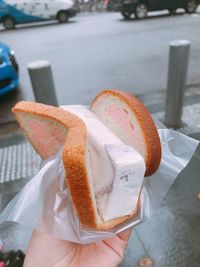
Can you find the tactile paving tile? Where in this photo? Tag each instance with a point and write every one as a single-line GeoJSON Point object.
{"type": "Point", "coordinates": [18, 161]}
{"type": "Point", "coordinates": [191, 115]}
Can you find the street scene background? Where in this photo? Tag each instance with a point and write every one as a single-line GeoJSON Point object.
{"type": "Point", "coordinates": [100, 50]}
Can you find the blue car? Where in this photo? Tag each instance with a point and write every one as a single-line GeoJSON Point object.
{"type": "Point", "coordinates": [9, 78]}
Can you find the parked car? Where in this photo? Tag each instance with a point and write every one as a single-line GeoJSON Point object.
{"type": "Point", "coordinates": [9, 78]}
{"type": "Point", "coordinates": [13, 12]}
{"type": "Point", "coordinates": [141, 7]}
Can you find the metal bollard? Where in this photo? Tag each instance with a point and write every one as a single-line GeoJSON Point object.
{"type": "Point", "coordinates": [177, 77]}
{"type": "Point", "coordinates": [42, 82]}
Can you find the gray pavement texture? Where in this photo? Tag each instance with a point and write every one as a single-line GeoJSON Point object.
{"type": "Point", "coordinates": [172, 235]}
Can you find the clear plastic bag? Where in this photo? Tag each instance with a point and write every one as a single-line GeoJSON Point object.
{"type": "Point", "coordinates": [44, 203]}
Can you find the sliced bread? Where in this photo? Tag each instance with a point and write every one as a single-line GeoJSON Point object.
{"type": "Point", "coordinates": [50, 129]}
{"type": "Point", "coordinates": [129, 119]}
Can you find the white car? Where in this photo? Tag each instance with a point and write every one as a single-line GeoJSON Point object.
{"type": "Point", "coordinates": [13, 12]}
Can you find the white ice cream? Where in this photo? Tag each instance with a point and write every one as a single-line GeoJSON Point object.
{"type": "Point", "coordinates": [117, 170]}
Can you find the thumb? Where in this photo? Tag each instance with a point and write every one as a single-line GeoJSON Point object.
{"type": "Point", "coordinates": [125, 235]}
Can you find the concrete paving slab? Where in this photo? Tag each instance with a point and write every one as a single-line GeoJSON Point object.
{"type": "Point", "coordinates": [190, 119]}
{"type": "Point", "coordinates": [12, 140]}
{"type": "Point", "coordinates": [172, 235]}
{"type": "Point", "coordinates": [155, 102]}
{"type": "Point", "coordinates": [8, 130]}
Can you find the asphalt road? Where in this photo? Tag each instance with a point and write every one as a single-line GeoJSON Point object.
{"type": "Point", "coordinates": [98, 51]}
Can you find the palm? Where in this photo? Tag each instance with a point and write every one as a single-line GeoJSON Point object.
{"type": "Point", "coordinates": [51, 252]}
{"type": "Point", "coordinates": [104, 254]}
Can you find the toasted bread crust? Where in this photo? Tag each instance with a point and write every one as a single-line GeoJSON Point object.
{"type": "Point", "coordinates": [110, 224]}
{"type": "Point", "coordinates": [150, 133]}
{"type": "Point", "coordinates": [67, 119]}
{"type": "Point", "coordinates": [73, 156]}
{"type": "Point", "coordinates": [75, 166]}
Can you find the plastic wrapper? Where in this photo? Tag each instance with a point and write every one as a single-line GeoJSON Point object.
{"type": "Point", "coordinates": [44, 203]}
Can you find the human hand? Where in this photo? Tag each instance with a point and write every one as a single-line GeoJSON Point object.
{"type": "Point", "coordinates": [48, 251]}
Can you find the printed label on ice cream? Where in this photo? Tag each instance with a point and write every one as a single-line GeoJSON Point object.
{"type": "Point", "coordinates": [128, 165]}
{"type": "Point", "coordinates": [126, 179]}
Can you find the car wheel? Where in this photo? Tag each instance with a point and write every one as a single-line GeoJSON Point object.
{"type": "Point", "coordinates": [172, 11]}
{"type": "Point", "coordinates": [126, 14]}
{"type": "Point", "coordinates": [62, 16]}
{"type": "Point", "coordinates": [191, 6]}
{"type": "Point", "coordinates": [9, 23]}
{"type": "Point", "coordinates": [141, 11]}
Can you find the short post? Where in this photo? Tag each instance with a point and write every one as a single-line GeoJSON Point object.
{"type": "Point", "coordinates": [177, 78]}
{"type": "Point", "coordinates": [42, 82]}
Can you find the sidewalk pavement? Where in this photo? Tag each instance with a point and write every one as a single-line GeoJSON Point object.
{"type": "Point", "coordinates": [171, 237]}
